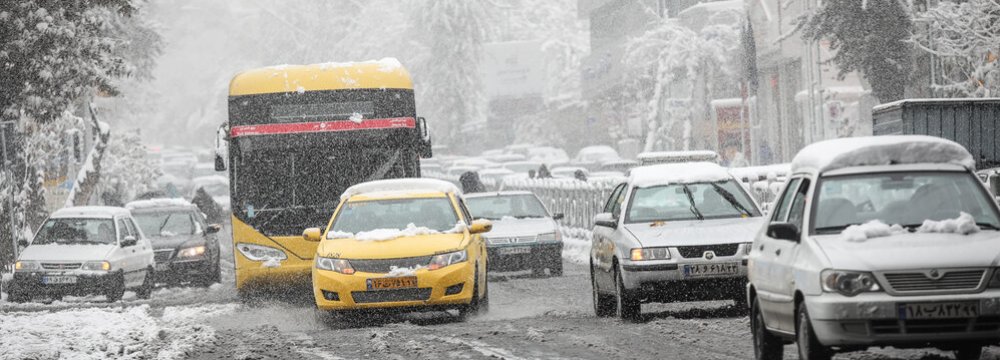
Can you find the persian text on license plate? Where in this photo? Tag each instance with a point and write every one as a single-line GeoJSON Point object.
{"type": "Point", "coordinates": [515, 250]}
{"type": "Point", "coordinates": [392, 283]}
{"type": "Point", "coordinates": [58, 279]}
{"type": "Point", "coordinates": [942, 310]}
{"type": "Point", "coordinates": [702, 270]}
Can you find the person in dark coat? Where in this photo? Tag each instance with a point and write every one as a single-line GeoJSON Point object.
{"type": "Point", "coordinates": [579, 175]}
{"type": "Point", "coordinates": [543, 172]}
{"type": "Point", "coordinates": [208, 206]}
{"type": "Point", "coordinates": [470, 182]}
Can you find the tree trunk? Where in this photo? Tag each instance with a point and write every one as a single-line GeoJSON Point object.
{"type": "Point", "coordinates": [90, 174]}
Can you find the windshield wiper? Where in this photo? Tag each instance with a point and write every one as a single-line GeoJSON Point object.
{"type": "Point", "coordinates": [833, 229]}
{"type": "Point", "coordinates": [731, 199]}
{"type": "Point", "coordinates": [987, 226]}
{"type": "Point", "coordinates": [694, 210]}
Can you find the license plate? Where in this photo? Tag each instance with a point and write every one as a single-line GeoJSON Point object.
{"type": "Point", "coordinates": [515, 250]}
{"type": "Point", "coordinates": [58, 280]}
{"type": "Point", "coordinates": [392, 283]}
{"type": "Point", "coordinates": [943, 310]}
{"type": "Point", "coordinates": [163, 267]}
{"type": "Point", "coordinates": [705, 270]}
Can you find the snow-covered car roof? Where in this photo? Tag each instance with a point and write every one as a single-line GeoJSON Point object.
{"type": "Point", "coordinates": [677, 156]}
{"type": "Point", "coordinates": [836, 154]}
{"type": "Point", "coordinates": [394, 187]}
{"type": "Point", "coordinates": [755, 173]}
{"type": "Point", "coordinates": [677, 173]}
{"type": "Point", "coordinates": [498, 193]}
{"type": "Point", "coordinates": [160, 203]}
{"type": "Point", "coordinates": [211, 179]}
{"type": "Point", "coordinates": [94, 212]}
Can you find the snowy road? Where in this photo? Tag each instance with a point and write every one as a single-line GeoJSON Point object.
{"type": "Point", "coordinates": [530, 318]}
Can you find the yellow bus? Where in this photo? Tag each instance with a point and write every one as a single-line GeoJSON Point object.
{"type": "Point", "coordinates": [297, 137]}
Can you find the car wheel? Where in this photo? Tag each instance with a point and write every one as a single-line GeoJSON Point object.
{"type": "Point", "coordinates": [969, 353]}
{"type": "Point", "coordinates": [116, 290]}
{"type": "Point", "coordinates": [538, 272]}
{"type": "Point", "coordinates": [557, 269]}
{"type": "Point", "coordinates": [627, 306]}
{"type": "Point", "coordinates": [809, 347]}
{"type": "Point", "coordinates": [146, 290]}
{"type": "Point", "coordinates": [210, 278]}
{"type": "Point", "coordinates": [740, 303]}
{"type": "Point", "coordinates": [602, 306]}
{"type": "Point", "coordinates": [475, 306]}
{"type": "Point", "coordinates": [18, 297]}
{"type": "Point", "coordinates": [766, 346]}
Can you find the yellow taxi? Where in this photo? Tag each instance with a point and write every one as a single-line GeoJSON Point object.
{"type": "Point", "coordinates": [404, 244]}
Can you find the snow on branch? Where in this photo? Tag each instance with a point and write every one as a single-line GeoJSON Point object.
{"type": "Point", "coordinates": [90, 174]}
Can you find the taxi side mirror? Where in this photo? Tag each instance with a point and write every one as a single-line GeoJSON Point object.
{"type": "Point", "coordinates": [606, 220]}
{"type": "Point", "coordinates": [480, 226]}
{"type": "Point", "coordinates": [22, 243]}
{"type": "Point", "coordinates": [558, 216]}
{"type": "Point", "coordinates": [312, 234]}
{"type": "Point", "coordinates": [129, 241]}
{"type": "Point", "coordinates": [783, 231]}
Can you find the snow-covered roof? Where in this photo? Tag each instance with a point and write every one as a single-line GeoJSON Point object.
{"type": "Point", "coordinates": [158, 203]}
{"type": "Point", "coordinates": [98, 212]}
{"type": "Point", "coordinates": [900, 103]}
{"type": "Point", "coordinates": [401, 187]}
{"type": "Point", "coordinates": [835, 154]}
{"type": "Point", "coordinates": [677, 156]}
{"type": "Point", "coordinates": [763, 171]}
{"type": "Point", "coordinates": [679, 173]}
{"type": "Point", "coordinates": [498, 193]}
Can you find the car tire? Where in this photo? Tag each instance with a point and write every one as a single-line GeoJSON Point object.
{"type": "Point", "coordinates": [603, 307]}
{"type": "Point", "coordinates": [145, 291]}
{"type": "Point", "coordinates": [557, 269]}
{"type": "Point", "coordinates": [213, 276]}
{"type": "Point", "coordinates": [538, 272]}
{"type": "Point", "coordinates": [805, 339]}
{"type": "Point", "coordinates": [741, 304]}
{"type": "Point", "coordinates": [18, 297]}
{"type": "Point", "coordinates": [766, 346]}
{"type": "Point", "coordinates": [116, 290]}
{"type": "Point", "coordinates": [627, 307]}
{"type": "Point", "coordinates": [477, 305]}
{"type": "Point", "coordinates": [969, 353]}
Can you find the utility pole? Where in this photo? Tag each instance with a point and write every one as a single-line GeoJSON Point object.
{"type": "Point", "coordinates": [7, 165]}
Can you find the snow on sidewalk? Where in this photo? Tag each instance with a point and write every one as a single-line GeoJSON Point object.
{"type": "Point", "coordinates": [100, 333]}
{"type": "Point", "coordinates": [576, 245]}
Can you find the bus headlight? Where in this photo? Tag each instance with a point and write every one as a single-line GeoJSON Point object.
{"type": "Point", "coordinates": [256, 252]}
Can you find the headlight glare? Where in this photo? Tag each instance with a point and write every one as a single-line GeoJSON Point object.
{"type": "Point", "coordinates": [339, 265]}
{"type": "Point", "coordinates": [849, 283]}
{"type": "Point", "coordinates": [194, 251]}
{"type": "Point", "coordinates": [260, 252]}
{"type": "Point", "coordinates": [27, 265]}
{"type": "Point", "coordinates": [96, 266]}
{"type": "Point", "coordinates": [440, 261]}
{"type": "Point", "coordinates": [656, 253]}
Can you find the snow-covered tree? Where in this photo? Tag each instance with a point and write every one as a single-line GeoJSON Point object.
{"type": "Point", "coordinates": [965, 39]}
{"type": "Point", "coordinates": [868, 36]}
{"type": "Point", "coordinates": [125, 169]}
{"type": "Point", "coordinates": [671, 53]}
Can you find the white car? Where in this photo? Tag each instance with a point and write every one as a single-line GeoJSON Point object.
{"type": "Point", "coordinates": [525, 235]}
{"type": "Point", "coordinates": [85, 250]}
{"type": "Point", "coordinates": [674, 232]}
{"type": "Point", "coordinates": [878, 241]}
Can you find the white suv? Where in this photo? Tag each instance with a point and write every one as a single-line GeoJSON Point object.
{"type": "Point", "coordinates": [878, 241]}
{"type": "Point", "coordinates": [85, 250]}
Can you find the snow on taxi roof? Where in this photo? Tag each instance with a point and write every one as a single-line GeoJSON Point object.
{"type": "Point", "coordinates": [97, 212]}
{"type": "Point", "coordinates": [158, 203]}
{"type": "Point", "coordinates": [677, 173]}
{"type": "Point", "coordinates": [400, 186]}
{"type": "Point", "coordinates": [835, 154]}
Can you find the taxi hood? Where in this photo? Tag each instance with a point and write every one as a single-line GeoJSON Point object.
{"type": "Point", "coordinates": [909, 251]}
{"type": "Point", "coordinates": [66, 252]}
{"type": "Point", "coordinates": [510, 227]}
{"type": "Point", "coordinates": [400, 247]}
{"type": "Point", "coordinates": [703, 232]}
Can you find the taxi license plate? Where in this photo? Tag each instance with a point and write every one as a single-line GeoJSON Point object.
{"type": "Point", "coordinates": [942, 310]}
{"type": "Point", "coordinates": [703, 270]}
{"type": "Point", "coordinates": [392, 283]}
{"type": "Point", "coordinates": [58, 280]}
{"type": "Point", "coordinates": [515, 250]}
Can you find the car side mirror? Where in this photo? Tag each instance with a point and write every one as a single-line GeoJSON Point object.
{"type": "Point", "coordinates": [312, 234]}
{"type": "Point", "coordinates": [129, 241]}
{"type": "Point", "coordinates": [783, 231]}
{"type": "Point", "coordinates": [480, 226]}
{"type": "Point", "coordinates": [212, 229]}
{"type": "Point", "coordinates": [220, 163]}
{"type": "Point", "coordinates": [606, 220]}
{"type": "Point", "coordinates": [22, 243]}
{"type": "Point", "coordinates": [558, 216]}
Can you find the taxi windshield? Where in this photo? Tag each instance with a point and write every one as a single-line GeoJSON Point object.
{"type": "Point", "coordinates": [76, 231]}
{"type": "Point", "coordinates": [362, 216]}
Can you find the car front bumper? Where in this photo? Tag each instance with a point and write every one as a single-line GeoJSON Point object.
{"type": "Point", "coordinates": [539, 255]}
{"type": "Point", "coordinates": [183, 270]}
{"type": "Point", "coordinates": [665, 281]}
{"type": "Point", "coordinates": [336, 291]}
{"type": "Point", "coordinates": [86, 283]}
{"type": "Point", "coordinates": [873, 319]}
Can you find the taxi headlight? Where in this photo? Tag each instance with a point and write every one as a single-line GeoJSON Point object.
{"type": "Point", "coordinates": [549, 237]}
{"type": "Point", "coordinates": [656, 253]}
{"type": "Point", "coordinates": [848, 283]}
{"type": "Point", "coordinates": [96, 266]}
{"type": "Point", "coordinates": [195, 251]}
{"type": "Point", "coordinates": [440, 261]}
{"type": "Point", "coordinates": [339, 265]}
{"type": "Point", "coordinates": [27, 265]}
{"type": "Point", "coordinates": [260, 252]}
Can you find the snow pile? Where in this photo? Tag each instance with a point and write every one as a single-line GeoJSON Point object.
{"type": "Point", "coordinates": [396, 271]}
{"type": "Point", "coordinates": [357, 118]}
{"type": "Point", "coordinates": [158, 203]}
{"type": "Point", "coordinates": [576, 245]}
{"type": "Point", "coordinates": [664, 157]}
{"type": "Point", "coordinates": [681, 173]}
{"type": "Point", "coordinates": [881, 150]}
{"type": "Point", "coordinates": [400, 187]}
{"type": "Point", "coordinates": [339, 235]}
{"type": "Point", "coordinates": [410, 230]}
{"type": "Point", "coordinates": [964, 224]}
{"type": "Point", "coordinates": [388, 64]}
{"type": "Point", "coordinates": [871, 230]}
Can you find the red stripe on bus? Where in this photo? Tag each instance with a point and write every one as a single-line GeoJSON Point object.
{"type": "Point", "coordinates": [322, 126]}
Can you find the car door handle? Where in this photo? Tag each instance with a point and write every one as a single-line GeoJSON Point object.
{"type": "Point", "coordinates": [761, 247]}
{"type": "Point", "coordinates": [777, 252]}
